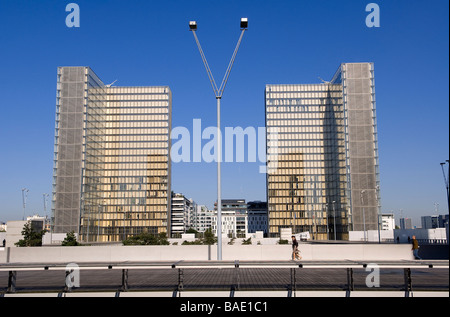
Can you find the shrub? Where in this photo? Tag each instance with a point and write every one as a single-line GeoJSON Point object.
{"type": "Point", "coordinates": [147, 239]}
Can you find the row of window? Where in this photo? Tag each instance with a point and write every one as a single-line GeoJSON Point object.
{"type": "Point", "coordinates": [303, 87]}
{"type": "Point", "coordinates": [320, 117]}
{"type": "Point", "coordinates": [319, 108]}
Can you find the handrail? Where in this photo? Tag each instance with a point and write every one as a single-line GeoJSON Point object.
{"type": "Point", "coordinates": [237, 266]}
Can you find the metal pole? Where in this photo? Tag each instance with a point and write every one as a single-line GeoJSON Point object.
{"type": "Point", "coordinates": [218, 94]}
{"type": "Point", "coordinates": [24, 200]}
{"type": "Point", "coordinates": [378, 212]}
{"type": "Point", "coordinates": [446, 179]}
{"type": "Point", "coordinates": [364, 214]}
{"type": "Point", "coordinates": [45, 196]}
{"type": "Point", "coordinates": [334, 221]}
{"type": "Point", "coordinates": [219, 198]}
{"type": "Point", "coordinates": [98, 223]}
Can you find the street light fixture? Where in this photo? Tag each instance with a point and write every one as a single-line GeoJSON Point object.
{"type": "Point", "coordinates": [218, 92]}
{"type": "Point", "coordinates": [193, 25]}
{"type": "Point", "coordinates": [244, 23]}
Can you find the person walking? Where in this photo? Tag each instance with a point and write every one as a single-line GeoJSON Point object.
{"type": "Point", "coordinates": [295, 250]}
{"type": "Point", "coordinates": [415, 248]}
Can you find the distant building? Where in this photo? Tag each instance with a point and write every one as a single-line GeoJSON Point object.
{"type": "Point", "coordinates": [200, 218]}
{"type": "Point", "coordinates": [38, 223]}
{"type": "Point", "coordinates": [405, 223]}
{"type": "Point", "coordinates": [387, 222]}
{"type": "Point", "coordinates": [181, 208]}
{"type": "Point", "coordinates": [234, 218]}
{"type": "Point", "coordinates": [257, 216]}
{"type": "Point", "coordinates": [432, 222]}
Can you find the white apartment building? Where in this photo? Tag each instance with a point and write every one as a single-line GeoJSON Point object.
{"type": "Point", "coordinates": [200, 218]}
{"type": "Point", "coordinates": [234, 225]}
{"type": "Point", "coordinates": [387, 222]}
{"type": "Point", "coordinates": [180, 210]}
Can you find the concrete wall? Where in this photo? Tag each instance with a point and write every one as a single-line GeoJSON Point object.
{"type": "Point", "coordinates": [112, 254]}
{"type": "Point", "coordinates": [421, 234]}
{"type": "Point", "coordinates": [2, 255]}
{"type": "Point", "coordinates": [371, 235]}
{"type": "Point", "coordinates": [14, 232]}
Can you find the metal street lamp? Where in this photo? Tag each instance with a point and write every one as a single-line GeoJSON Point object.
{"type": "Point", "coordinates": [24, 200]}
{"type": "Point", "coordinates": [364, 214]}
{"type": "Point", "coordinates": [218, 92]}
{"type": "Point", "coordinates": [446, 179]}
{"type": "Point", "coordinates": [45, 196]}
{"type": "Point", "coordinates": [334, 220]}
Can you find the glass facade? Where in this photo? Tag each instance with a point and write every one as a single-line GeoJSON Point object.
{"type": "Point", "coordinates": [309, 176]}
{"type": "Point", "coordinates": [122, 186]}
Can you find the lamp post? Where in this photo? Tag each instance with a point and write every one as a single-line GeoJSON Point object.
{"type": "Point", "coordinates": [45, 196]}
{"type": "Point", "coordinates": [446, 179]}
{"type": "Point", "coordinates": [364, 214]}
{"type": "Point", "coordinates": [379, 221]}
{"type": "Point", "coordinates": [24, 200]}
{"type": "Point", "coordinates": [218, 93]}
{"type": "Point", "coordinates": [334, 218]}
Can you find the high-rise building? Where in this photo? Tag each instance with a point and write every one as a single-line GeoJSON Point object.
{"type": "Point", "coordinates": [405, 223]}
{"type": "Point", "coordinates": [112, 171]}
{"type": "Point", "coordinates": [322, 155]}
{"type": "Point", "coordinates": [433, 222]}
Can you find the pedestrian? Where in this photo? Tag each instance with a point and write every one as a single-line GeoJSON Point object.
{"type": "Point", "coordinates": [295, 250]}
{"type": "Point", "coordinates": [415, 248]}
{"type": "Point", "coordinates": [398, 239]}
{"type": "Point", "coordinates": [4, 242]}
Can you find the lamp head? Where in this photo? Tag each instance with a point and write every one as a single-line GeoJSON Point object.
{"type": "Point", "coordinates": [244, 23]}
{"type": "Point", "coordinates": [193, 25]}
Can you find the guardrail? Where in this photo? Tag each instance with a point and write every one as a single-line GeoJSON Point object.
{"type": "Point", "coordinates": [181, 267]}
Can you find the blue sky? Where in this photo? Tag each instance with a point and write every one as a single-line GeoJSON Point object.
{"type": "Point", "coordinates": [288, 42]}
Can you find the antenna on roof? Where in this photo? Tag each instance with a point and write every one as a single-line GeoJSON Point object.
{"type": "Point", "coordinates": [324, 81]}
{"type": "Point", "coordinates": [111, 83]}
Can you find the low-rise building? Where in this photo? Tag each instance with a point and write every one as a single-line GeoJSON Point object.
{"type": "Point", "coordinates": [257, 217]}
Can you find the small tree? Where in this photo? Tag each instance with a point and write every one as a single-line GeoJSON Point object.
{"type": "Point", "coordinates": [31, 238]}
{"type": "Point", "coordinates": [247, 242]}
{"type": "Point", "coordinates": [192, 230]}
{"type": "Point", "coordinates": [209, 237]}
{"type": "Point", "coordinates": [162, 239]}
{"type": "Point", "coordinates": [70, 240]}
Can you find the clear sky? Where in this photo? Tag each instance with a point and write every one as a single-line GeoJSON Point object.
{"type": "Point", "coordinates": [147, 43]}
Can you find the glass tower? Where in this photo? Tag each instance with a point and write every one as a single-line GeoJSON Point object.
{"type": "Point", "coordinates": [111, 165]}
{"type": "Point", "coordinates": [322, 169]}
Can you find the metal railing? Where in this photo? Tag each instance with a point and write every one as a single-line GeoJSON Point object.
{"type": "Point", "coordinates": [181, 268]}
